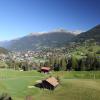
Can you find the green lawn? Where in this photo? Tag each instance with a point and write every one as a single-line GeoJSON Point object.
{"type": "Point", "coordinates": [74, 85]}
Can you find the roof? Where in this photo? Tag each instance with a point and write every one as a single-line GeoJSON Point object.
{"type": "Point", "coordinates": [45, 68]}
{"type": "Point", "coordinates": [53, 81]}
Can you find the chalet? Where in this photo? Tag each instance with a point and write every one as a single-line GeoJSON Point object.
{"type": "Point", "coordinates": [45, 69]}
{"type": "Point", "coordinates": [50, 83]}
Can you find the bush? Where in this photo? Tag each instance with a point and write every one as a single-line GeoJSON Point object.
{"type": "Point", "coordinates": [98, 52]}
{"type": "Point", "coordinates": [90, 49]}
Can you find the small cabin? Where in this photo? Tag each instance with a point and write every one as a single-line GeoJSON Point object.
{"type": "Point", "coordinates": [50, 83]}
{"type": "Point", "coordinates": [45, 69]}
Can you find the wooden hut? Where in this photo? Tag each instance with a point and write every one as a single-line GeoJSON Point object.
{"type": "Point", "coordinates": [45, 69]}
{"type": "Point", "coordinates": [50, 83]}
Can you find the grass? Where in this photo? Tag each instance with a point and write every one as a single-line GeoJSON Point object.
{"type": "Point", "coordinates": [74, 85]}
{"type": "Point", "coordinates": [74, 90]}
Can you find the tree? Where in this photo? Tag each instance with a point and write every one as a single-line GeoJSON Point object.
{"type": "Point", "coordinates": [74, 62]}
{"type": "Point", "coordinates": [56, 67]}
{"type": "Point", "coordinates": [25, 66]}
{"type": "Point", "coordinates": [81, 65]}
{"type": "Point", "coordinates": [91, 61]}
{"type": "Point", "coordinates": [69, 64]}
{"type": "Point", "coordinates": [63, 63]}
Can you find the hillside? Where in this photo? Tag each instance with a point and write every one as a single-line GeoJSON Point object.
{"type": "Point", "coordinates": [93, 33]}
{"type": "Point", "coordinates": [34, 42]}
{"type": "Point", "coordinates": [3, 50]}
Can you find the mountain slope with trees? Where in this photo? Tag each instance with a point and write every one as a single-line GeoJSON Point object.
{"type": "Point", "coordinates": [3, 50]}
{"type": "Point", "coordinates": [93, 33]}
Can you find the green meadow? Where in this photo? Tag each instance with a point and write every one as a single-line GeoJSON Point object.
{"type": "Point", "coordinates": [73, 85]}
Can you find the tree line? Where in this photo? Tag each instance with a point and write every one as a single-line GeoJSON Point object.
{"type": "Point", "coordinates": [61, 63]}
{"type": "Point", "coordinates": [87, 63]}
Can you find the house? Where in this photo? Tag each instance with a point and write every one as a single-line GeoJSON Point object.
{"type": "Point", "coordinates": [45, 69]}
{"type": "Point", "coordinates": [50, 83]}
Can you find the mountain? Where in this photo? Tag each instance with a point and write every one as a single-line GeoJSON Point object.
{"type": "Point", "coordinates": [3, 51]}
{"type": "Point", "coordinates": [93, 33]}
{"type": "Point", "coordinates": [5, 44]}
{"type": "Point", "coordinates": [33, 42]}
{"type": "Point", "coordinates": [56, 38]}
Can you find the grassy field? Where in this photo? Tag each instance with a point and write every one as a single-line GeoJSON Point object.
{"type": "Point", "coordinates": [74, 85]}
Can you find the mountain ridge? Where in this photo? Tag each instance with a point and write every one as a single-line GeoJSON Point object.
{"type": "Point", "coordinates": [57, 38]}
{"type": "Point", "coordinates": [34, 42]}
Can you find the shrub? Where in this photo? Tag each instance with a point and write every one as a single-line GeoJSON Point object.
{"type": "Point", "coordinates": [98, 52]}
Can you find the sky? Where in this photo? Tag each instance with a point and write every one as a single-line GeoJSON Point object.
{"type": "Point", "coordinates": [21, 17]}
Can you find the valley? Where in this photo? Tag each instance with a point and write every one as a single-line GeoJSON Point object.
{"type": "Point", "coordinates": [75, 65]}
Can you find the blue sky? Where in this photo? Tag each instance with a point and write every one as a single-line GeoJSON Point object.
{"type": "Point", "coordinates": [20, 17]}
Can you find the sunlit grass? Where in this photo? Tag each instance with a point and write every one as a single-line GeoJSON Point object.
{"type": "Point", "coordinates": [74, 85]}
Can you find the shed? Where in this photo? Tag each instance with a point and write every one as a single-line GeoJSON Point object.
{"type": "Point", "coordinates": [45, 69]}
{"type": "Point", "coordinates": [50, 83]}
